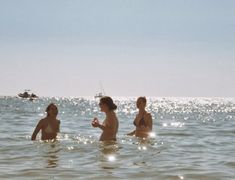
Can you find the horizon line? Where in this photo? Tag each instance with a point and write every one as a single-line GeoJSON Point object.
{"type": "Point", "coordinates": [130, 97]}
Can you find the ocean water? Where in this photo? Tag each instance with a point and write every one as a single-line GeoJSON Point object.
{"type": "Point", "coordinates": [194, 138]}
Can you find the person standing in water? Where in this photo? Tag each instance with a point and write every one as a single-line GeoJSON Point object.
{"type": "Point", "coordinates": [143, 121]}
{"type": "Point", "coordinates": [110, 124]}
{"type": "Point", "coordinates": [49, 126]}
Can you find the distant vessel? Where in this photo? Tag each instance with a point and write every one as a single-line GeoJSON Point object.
{"type": "Point", "coordinates": [101, 93]}
{"type": "Point", "coordinates": [27, 95]}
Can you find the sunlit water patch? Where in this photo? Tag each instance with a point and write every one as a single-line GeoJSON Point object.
{"type": "Point", "coordinates": [193, 138]}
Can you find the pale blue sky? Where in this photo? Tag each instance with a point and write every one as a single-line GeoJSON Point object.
{"type": "Point", "coordinates": [135, 47]}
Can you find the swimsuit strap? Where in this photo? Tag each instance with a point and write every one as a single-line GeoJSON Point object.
{"type": "Point", "coordinates": [141, 122]}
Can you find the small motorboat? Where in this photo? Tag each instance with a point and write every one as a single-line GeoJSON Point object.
{"type": "Point", "coordinates": [27, 95]}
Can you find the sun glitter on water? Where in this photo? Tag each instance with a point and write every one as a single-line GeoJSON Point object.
{"type": "Point", "coordinates": [111, 158]}
{"type": "Point", "coordinates": [152, 134]}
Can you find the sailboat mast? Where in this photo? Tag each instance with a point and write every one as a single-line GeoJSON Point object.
{"type": "Point", "coordinates": [102, 88]}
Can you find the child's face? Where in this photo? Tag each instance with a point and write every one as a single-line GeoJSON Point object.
{"type": "Point", "coordinates": [53, 111]}
{"type": "Point", "coordinates": [103, 107]}
{"type": "Point", "coordinates": [140, 104]}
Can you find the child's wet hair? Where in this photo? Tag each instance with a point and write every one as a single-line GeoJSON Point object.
{"type": "Point", "coordinates": [49, 106]}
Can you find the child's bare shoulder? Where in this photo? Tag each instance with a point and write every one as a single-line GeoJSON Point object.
{"type": "Point", "coordinates": [43, 120]}
{"type": "Point", "coordinates": [148, 114]}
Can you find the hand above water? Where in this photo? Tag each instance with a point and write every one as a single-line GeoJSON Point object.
{"type": "Point", "coordinates": [95, 122]}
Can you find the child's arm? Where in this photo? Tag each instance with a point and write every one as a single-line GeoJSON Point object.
{"type": "Point", "coordinates": [37, 129]}
{"type": "Point", "coordinates": [131, 133]}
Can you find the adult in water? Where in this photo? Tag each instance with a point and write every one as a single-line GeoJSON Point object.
{"type": "Point", "coordinates": [143, 121]}
{"type": "Point", "coordinates": [110, 124]}
{"type": "Point", "coordinates": [49, 126]}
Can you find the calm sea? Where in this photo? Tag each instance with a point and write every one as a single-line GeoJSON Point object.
{"type": "Point", "coordinates": [194, 139]}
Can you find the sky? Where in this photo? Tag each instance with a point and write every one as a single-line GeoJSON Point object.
{"type": "Point", "coordinates": [161, 48]}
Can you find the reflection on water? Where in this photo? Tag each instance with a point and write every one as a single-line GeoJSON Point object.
{"type": "Point", "coordinates": [193, 139]}
{"type": "Point", "coordinates": [51, 154]}
{"type": "Point", "coordinates": [109, 153]}
{"type": "Point", "coordinates": [52, 161]}
{"type": "Point", "coordinates": [109, 147]}
{"type": "Point", "coordinates": [111, 158]}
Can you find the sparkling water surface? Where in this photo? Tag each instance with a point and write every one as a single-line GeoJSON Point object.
{"type": "Point", "coordinates": [194, 138]}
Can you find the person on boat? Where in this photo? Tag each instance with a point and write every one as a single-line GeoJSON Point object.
{"type": "Point", "coordinates": [49, 126]}
{"type": "Point", "coordinates": [25, 95]}
{"type": "Point", "coordinates": [143, 121]}
{"type": "Point", "coordinates": [33, 95]}
{"type": "Point", "coordinates": [110, 124]}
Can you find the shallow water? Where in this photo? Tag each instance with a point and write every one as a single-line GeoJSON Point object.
{"type": "Point", "coordinates": [194, 139]}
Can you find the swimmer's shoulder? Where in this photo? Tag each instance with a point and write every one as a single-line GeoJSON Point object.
{"type": "Point", "coordinates": [148, 115]}
{"type": "Point", "coordinates": [42, 122]}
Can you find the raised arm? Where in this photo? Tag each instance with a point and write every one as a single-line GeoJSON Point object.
{"type": "Point", "coordinates": [36, 130]}
{"type": "Point", "coordinates": [107, 126]}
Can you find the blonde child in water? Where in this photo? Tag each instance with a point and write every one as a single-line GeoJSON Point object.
{"type": "Point", "coordinates": [143, 121]}
{"type": "Point", "coordinates": [49, 126]}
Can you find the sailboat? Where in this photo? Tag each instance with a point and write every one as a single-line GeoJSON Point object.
{"type": "Point", "coordinates": [101, 93]}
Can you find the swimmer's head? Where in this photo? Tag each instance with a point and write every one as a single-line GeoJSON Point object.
{"type": "Point", "coordinates": [141, 102]}
{"type": "Point", "coordinates": [52, 110]}
{"type": "Point", "coordinates": [106, 104]}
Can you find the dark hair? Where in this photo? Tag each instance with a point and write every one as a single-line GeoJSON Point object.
{"type": "Point", "coordinates": [49, 106]}
{"type": "Point", "coordinates": [109, 102]}
{"type": "Point", "coordinates": [142, 98]}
